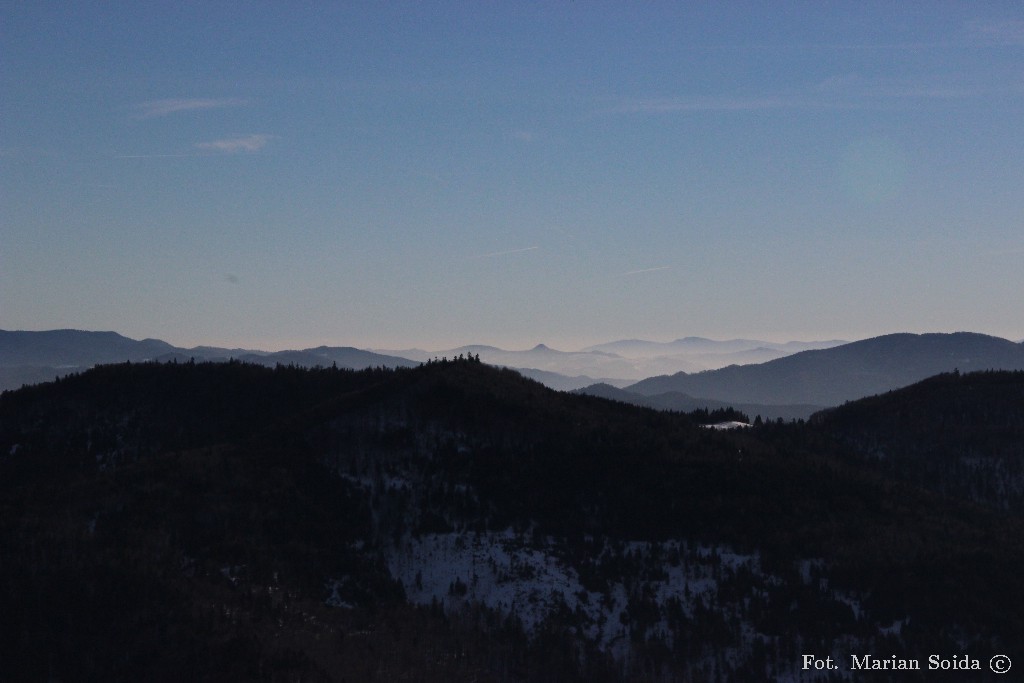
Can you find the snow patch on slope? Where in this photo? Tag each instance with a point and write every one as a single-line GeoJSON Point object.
{"type": "Point", "coordinates": [505, 572]}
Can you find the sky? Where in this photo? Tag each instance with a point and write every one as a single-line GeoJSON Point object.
{"type": "Point", "coordinates": [388, 175]}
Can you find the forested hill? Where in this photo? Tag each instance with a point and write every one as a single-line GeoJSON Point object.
{"type": "Point", "coordinates": [459, 522]}
{"type": "Point", "coordinates": [959, 434]}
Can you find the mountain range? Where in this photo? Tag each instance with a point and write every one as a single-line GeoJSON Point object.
{"type": "Point", "coordinates": [813, 375]}
{"type": "Point", "coordinates": [618, 362]}
{"type": "Point", "coordinates": [30, 357]}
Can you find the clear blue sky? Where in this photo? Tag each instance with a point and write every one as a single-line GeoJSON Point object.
{"type": "Point", "coordinates": [286, 174]}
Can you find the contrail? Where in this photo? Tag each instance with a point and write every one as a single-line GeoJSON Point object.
{"type": "Point", "coordinates": [504, 253]}
{"type": "Point", "coordinates": [645, 270]}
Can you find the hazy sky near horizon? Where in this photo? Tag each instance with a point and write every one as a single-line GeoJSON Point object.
{"type": "Point", "coordinates": [288, 174]}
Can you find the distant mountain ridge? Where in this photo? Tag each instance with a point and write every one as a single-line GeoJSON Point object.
{"type": "Point", "coordinates": [32, 357]}
{"type": "Point", "coordinates": [641, 347]}
{"type": "Point", "coordinates": [791, 386]}
{"type": "Point", "coordinates": [628, 359]}
{"type": "Point", "coordinates": [75, 348]}
{"type": "Point", "coordinates": [828, 377]}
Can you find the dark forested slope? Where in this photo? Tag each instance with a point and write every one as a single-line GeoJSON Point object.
{"type": "Point", "coordinates": [459, 522]}
{"type": "Point", "coordinates": [958, 434]}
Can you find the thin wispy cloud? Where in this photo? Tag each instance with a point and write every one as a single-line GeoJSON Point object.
{"type": "Point", "coordinates": [249, 143]}
{"type": "Point", "coordinates": [157, 108]}
{"type": "Point", "coordinates": [158, 156]}
{"type": "Point", "coordinates": [1008, 32]}
{"type": "Point", "coordinates": [847, 91]}
{"type": "Point", "coordinates": [991, 32]}
{"type": "Point", "coordinates": [505, 253]}
{"type": "Point", "coordinates": [699, 104]}
{"type": "Point", "coordinates": [825, 47]}
{"type": "Point", "coordinates": [436, 177]}
{"type": "Point", "coordinates": [856, 86]}
{"type": "Point", "coordinates": [645, 270]}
